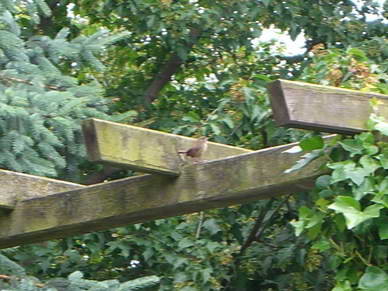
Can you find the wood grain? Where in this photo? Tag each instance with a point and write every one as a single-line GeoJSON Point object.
{"type": "Point", "coordinates": [323, 108]}
{"type": "Point", "coordinates": [17, 186]}
{"type": "Point", "coordinates": [217, 183]}
{"type": "Point", "coordinates": [143, 150]}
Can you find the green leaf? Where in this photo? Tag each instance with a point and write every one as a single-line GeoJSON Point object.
{"type": "Point", "coordinates": [228, 121]}
{"type": "Point", "coordinates": [348, 170]}
{"type": "Point", "coordinates": [366, 138]}
{"type": "Point", "coordinates": [124, 117]}
{"type": "Point", "coordinates": [382, 225]}
{"type": "Point", "coordinates": [366, 187]}
{"type": "Point", "coordinates": [312, 143]}
{"type": "Point", "coordinates": [369, 164]}
{"type": "Point", "coordinates": [308, 219]}
{"type": "Point", "coordinates": [212, 226]}
{"type": "Point", "coordinates": [266, 2]}
{"type": "Point", "coordinates": [215, 128]}
{"type": "Point", "coordinates": [191, 117]}
{"type": "Point", "coordinates": [381, 198]}
{"type": "Point", "coordinates": [383, 158]}
{"type": "Point", "coordinates": [212, 245]}
{"type": "Point", "coordinates": [371, 149]}
{"type": "Point", "coordinates": [359, 54]}
{"type": "Point", "coordinates": [343, 286]}
{"type": "Point", "coordinates": [185, 243]}
{"type": "Point", "coordinates": [379, 124]}
{"type": "Point", "coordinates": [353, 146]}
{"type": "Point", "coordinates": [182, 52]}
{"type": "Point", "coordinates": [299, 226]}
{"type": "Point", "coordinates": [323, 181]}
{"type": "Point", "coordinates": [350, 208]}
{"type": "Point", "coordinates": [206, 274]}
{"type": "Point", "coordinates": [374, 279]}
{"type": "Point", "coordinates": [322, 245]}
{"type": "Point", "coordinates": [305, 160]}
{"type": "Point", "coordinates": [293, 150]}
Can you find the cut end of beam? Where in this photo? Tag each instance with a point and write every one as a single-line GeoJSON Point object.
{"type": "Point", "coordinates": [143, 150]}
{"type": "Point", "coordinates": [323, 108]}
{"type": "Point", "coordinates": [18, 186]}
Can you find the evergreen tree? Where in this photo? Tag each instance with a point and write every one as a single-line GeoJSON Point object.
{"type": "Point", "coordinates": [41, 107]}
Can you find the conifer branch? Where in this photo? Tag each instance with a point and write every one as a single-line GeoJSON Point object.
{"type": "Point", "coordinates": [17, 80]}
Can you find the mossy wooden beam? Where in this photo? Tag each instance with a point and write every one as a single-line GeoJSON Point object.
{"type": "Point", "coordinates": [142, 149]}
{"type": "Point", "coordinates": [17, 186]}
{"type": "Point", "coordinates": [323, 108]}
{"type": "Point", "coordinates": [212, 184]}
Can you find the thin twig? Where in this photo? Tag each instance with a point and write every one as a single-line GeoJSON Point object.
{"type": "Point", "coordinates": [266, 223]}
{"type": "Point", "coordinates": [259, 220]}
{"type": "Point", "coordinates": [200, 223]}
{"type": "Point", "coordinates": [17, 80]}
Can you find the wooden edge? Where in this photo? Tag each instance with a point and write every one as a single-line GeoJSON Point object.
{"type": "Point", "coordinates": [278, 103]}
{"type": "Point", "coordinates": [217, 183]}
{"type": "Point", "coordinates": [323, 108]}
{"type": "Point", "coordinates": [142, 149]}
{"type": "Point", "coordinates": [18, 186]}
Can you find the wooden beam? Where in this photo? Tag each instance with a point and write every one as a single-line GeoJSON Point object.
{"type": "Point", "coordinates": [17, 186]}
{"type": "Point", "coordinates": [217, 183]}
{"type": "Point", "coordinates": [142, 149]}
{"type": "Point", "coordinates": [323, 108]}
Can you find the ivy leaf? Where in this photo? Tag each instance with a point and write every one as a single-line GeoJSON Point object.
{"type": "Point", "coordinates": [373, 279]}
{"type": "Point", "coordinates": [343, 286]}
{"type": "Point", "coordinates": [323, 181]}
{"type": "Point", "coordinates": [353, 146]}
{"type": "Point", "coordinates": [322, 245]}
{"type": "Point", "coordinates": [381, 198]}
{"type": "Point", "coordinates": [299, 226]}
{"type": "Point", "coordinates": [350, 208]}
{"type": "Point", "coordinates": [215, 128]}
{"type": "Point", "coordinates": [185, 243]}
{"type": "Point", "coordinates": [308, 219]}
{"type": "Point", "coordinates": [212, 226]}
{"type": "Point", "coordinates": [366, 138]}
{"type": "Point", "coordinates": [382, 225]}
{"type": "Point", "coordinates": [366, 187]}
{"type": "Point", "coordinates": [371, 149]}
{"type": "Point", "coordinates": [305, 160]}
{"type": "Point", "coordinates": [266, 2]}
{"type": "Point", "coordinates": [383, 160]}
{"type": "Point", "coordinates": [347, 170]}
{"type": "Point", "coordinates": [369, 164]}
{"type": "Point", "coordinates": [294, 150]}
{"type": "Point", "coordinates": [378, 123]}
{"type": "Point", "coordinates": [228, 121]}
{"type": "Point", "coordinates": [312, 143]}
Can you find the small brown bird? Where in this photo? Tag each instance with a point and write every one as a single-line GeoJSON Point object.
{"type": "Point", "coordinates": [196, 151]}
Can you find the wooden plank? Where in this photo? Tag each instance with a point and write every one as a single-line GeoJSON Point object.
{"type": "Point", "coordinates": [217, 183]}
{"type": "Point", "coordinates": [142, 149]}
{"type": "Point", "coordinates": [323, 108]}
{"type": "Point", "coordinates": [17, 186]}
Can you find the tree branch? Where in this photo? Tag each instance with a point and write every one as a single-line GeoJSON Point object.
{"type": "Point", "coordinates": [259, 220]}
{"type": "Point", "coordinates": [17, 80]}
{"type": "Point", "coordinates": [168, 70]}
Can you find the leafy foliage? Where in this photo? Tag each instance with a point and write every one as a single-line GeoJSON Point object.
{"type": "Point", "coordinates": [349, 213]}
{"type": "Point", "coordinates": [218, 89]}
{"type": "Point", "coordinates": [74, 282]}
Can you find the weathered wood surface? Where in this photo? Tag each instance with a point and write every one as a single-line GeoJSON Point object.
{"type": "Point", "coordinates": [142, 149]}
{"type": "Point", "coordinates": [323, 108]}
{"type": "Point", "coordinates": [217, 183]}
{"type": "Point", "coordinates": [17, 186]}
